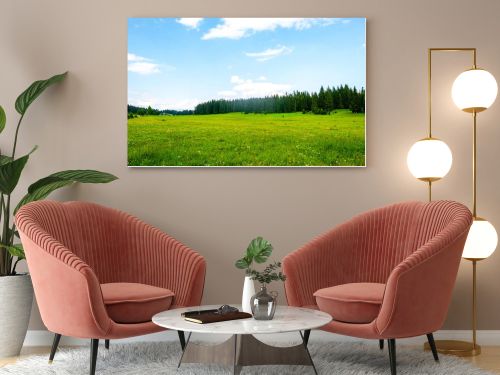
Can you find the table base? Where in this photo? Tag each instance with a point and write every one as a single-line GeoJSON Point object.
{"type": "Point", "coordinates": [246, 350]}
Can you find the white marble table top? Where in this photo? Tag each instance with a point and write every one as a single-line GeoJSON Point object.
{"type": "Point", "coordinates": [286, 319]}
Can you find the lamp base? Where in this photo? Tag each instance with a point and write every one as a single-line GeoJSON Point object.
{"type": "Point", "coordinates": [456, 348]}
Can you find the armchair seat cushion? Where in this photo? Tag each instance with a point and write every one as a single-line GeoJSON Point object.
{"type": "Point", "coordinates": [135, 303]}
{"type": "Point", "coordinates": [351, 303]}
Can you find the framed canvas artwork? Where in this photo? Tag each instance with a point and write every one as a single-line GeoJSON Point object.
{"type": "Point", "coordinates": [246, 92]}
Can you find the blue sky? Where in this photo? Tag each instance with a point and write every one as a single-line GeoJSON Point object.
{"type": "Point", "coordinates": [176, 63]}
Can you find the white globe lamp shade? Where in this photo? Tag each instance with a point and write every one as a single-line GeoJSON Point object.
{"type": "Point", "coordinates": [481, 241]}
{"type": "Point", "coordinates": [474, 90]}
{"type": "Point", "coordinates": [429, 159]}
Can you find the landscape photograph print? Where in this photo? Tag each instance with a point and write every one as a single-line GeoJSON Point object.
{"type": "Point", "coordinates": [246, 92]}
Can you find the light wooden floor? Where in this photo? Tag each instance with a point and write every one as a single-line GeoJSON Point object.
{"type": "Point", "coordinates": [488, 360]}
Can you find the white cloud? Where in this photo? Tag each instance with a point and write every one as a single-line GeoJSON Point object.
{"type": "Point", "coordinates": [144, 68]}
{"type": "Point", "coordinates": [227, 94]}
{"type": "Point", "coordinates": [145, 100]}
{"type": "Point", "coordinates": [236, 28]}
{"type": "Point", "coordinates": [191, 23]}
{"type": "Point", "coordinates": [269, 53]}
{"type": "Point", "coordinates": [247, 88]}
{"type": "Point", "coordinates": [236, 79]}
{"type": "Point", "coordinates": [262, 78]}
{"type": "Point", "coordinates": [131, 57]}
{"type": "Point", "coordinates": [142, 65]}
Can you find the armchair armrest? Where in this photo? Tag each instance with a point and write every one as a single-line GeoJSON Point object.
{"type": "Point", "coordinates": [419, 289]}
{"type": "Point", "coordinates": [68, 292]}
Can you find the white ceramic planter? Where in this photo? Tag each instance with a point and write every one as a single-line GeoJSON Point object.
{"type": "Point", "coordinates": [248, 292]}
{"type": "Point", "coordinates": [16, 298]}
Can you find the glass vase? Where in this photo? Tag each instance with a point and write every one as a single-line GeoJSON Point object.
{"type": "Point", "coordinates": [263, 304]}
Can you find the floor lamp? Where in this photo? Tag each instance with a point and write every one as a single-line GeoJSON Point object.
{"type": "Point", "coordinates": [473, 91]}
{"type": "Point", "coordinates": [429, 159]}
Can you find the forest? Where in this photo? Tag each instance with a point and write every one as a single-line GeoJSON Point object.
{"type": "Point", "coordinates": [322, 102]}
{"type": "Point", "coordinates": [134, 111]}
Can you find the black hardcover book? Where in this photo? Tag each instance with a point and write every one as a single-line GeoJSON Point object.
{"type": "Point", "coordinates": [213, 317]}
{"type": "Point", "coordinates": [189, 314]}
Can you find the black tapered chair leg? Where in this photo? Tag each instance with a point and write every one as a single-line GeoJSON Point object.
{"type": "Point", "coordinates": [55, 344]}
{"type": "Point", "coordinates": [381, 344]}
{"type": "Point", "coordinates": [432, 344]}
{"type": "Point", "coordinates": [94, 346]}
{"type": "Point", "coordinates": [106, 344]}
{"type": "Point", "coordinates": [307, 333]}
{"type": "Point", "coordinates": [182, 339]}
{"type": "Point", "coordinates": [392, 355]}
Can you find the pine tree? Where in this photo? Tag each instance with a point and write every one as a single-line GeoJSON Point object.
{"type": "Point", "coordinates": [322, 99]}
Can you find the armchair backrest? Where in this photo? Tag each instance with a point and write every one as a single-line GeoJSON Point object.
{"type": "Point", "coordinates": [386, 236]}
{"type": "Point", "coordinates": [94, 233]}
{"type": "Point", "coordinates": [379, 241]}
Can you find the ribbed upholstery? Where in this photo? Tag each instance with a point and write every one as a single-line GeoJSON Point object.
{"type": "Point", "coordinates": [101, 245]}
{"type": "Point", "coordinates": [404, 241]}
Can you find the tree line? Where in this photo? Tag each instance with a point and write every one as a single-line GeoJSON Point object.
{"type": "Point", "coordinates": [322, 102]}
{"type": "Point", "coordinates": [134, 111]}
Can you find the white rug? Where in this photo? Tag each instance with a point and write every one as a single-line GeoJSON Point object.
{"type": "Point", "coordinates": [161, 358]}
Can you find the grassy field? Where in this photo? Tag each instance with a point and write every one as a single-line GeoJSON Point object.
{"type": "Point", "coordinates": [238, 139]}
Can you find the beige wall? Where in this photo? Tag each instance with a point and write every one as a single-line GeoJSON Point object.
{"type": "Point", "coordinates": [82, 124]}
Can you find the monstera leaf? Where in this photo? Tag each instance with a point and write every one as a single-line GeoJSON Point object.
{"type": "Point", "coordinates": [43, 187]}
{"type": "Point", "coordinates": [258, 250]}
{"type": "Point", "coordinates": [242, 263]}
{"type": "Point", "coordinates": [29, 95]}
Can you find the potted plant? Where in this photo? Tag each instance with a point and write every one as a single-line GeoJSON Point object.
{"type": "Point", "coordinates": [16, 291]}
{"type": "Point", "coordinates": [258, 250]}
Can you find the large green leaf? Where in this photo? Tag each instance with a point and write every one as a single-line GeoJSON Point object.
{"type": "Point", "coordinates": [42, 193]}
{"type": "Point", "coordinates": [76, 175]}
{"type": "Point", "coordinates": [43, 187]}
{"type": "Point", "coordinates": [259, 250]}
{"type": "Point", "coordinates": [242, 263]}
{"type": "Point", "coordinates": [15, 250]}
{"type": "Point", "coordinates": [3, 119]}
{"type": "Point", "coordinates": [31, 93]}
{"type": "Point", "coordinates": [10, 172]}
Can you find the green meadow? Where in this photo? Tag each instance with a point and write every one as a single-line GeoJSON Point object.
{"type": "Point", "coordinates": [239, 139]}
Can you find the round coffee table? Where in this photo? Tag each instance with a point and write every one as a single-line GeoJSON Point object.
{"type": "Point", "coordinates": [242, 348]}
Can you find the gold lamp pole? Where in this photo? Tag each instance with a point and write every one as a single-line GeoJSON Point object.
{"type": "Point", "coordinates": [473, 91]}
{"type": "Point", "coordinates": [475, 349]}
{"type": "Point", "coordinates": [429, 159]}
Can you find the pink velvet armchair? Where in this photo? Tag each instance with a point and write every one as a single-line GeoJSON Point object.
{"type": "Point", "coordinates": [385, 274]}
{"type": "Point", "coordinates": [99, 273]}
